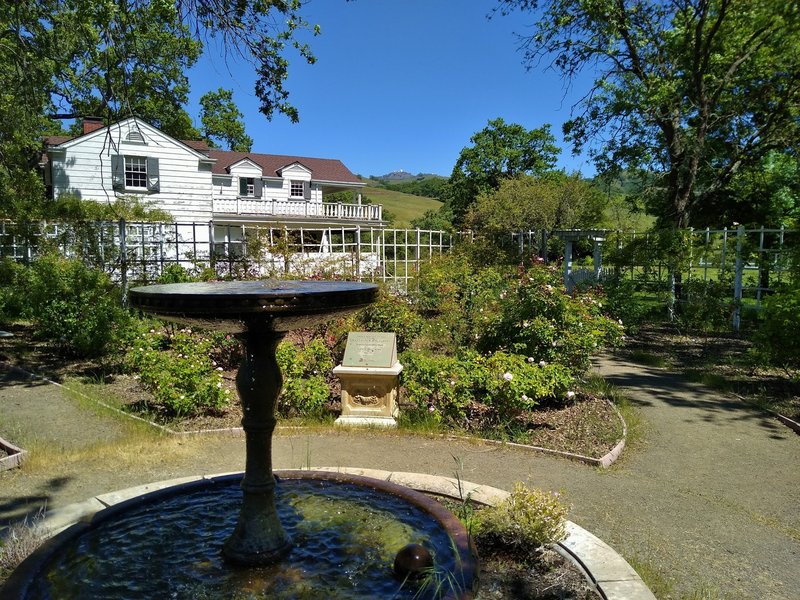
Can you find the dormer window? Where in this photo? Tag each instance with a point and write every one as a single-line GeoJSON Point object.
{"type": "Point", "coordinates": [250, 187]}
{"type": "Point", "coordinates": [297, 189]}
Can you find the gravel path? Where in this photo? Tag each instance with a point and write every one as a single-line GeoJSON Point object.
{"type": "Point", "coordinates": [710, 499]}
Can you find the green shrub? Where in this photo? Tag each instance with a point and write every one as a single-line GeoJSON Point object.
{"type": "Point", "coordinates": [13, 283]}
{"type": "Point", "coordinates": [536, 318]}
{"type": "Point", "coordinates": [623, 301]}
{"type": "Point", "coordinates": [391, 314]}
{"type": "Point", "coordinates": [305, 370]}
{"type": "Point", "coordinates": [708, 305]}
{"type": "Point", "coordinates": [178, 369]}
{"type": "Point", "coordinates": [76, 306]}
{"type": "Point", "coordinates": [526, 520]}
{"type": "Point", "coordinates": [776, 340]}
{"type": "Point", "coordinates": [439, 385]}
{"type": "Point", "coordinates": [175, 273]}
{"type": "Point", "coordinates": [499, 387]}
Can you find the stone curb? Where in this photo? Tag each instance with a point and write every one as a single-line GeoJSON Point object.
{"type": "Point", "coordinates": [607, 571]}
{"type": "Point", "coordinates": [15, 455]}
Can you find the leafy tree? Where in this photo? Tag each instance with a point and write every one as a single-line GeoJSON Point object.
{"type": "Point", "coordinates": [499, 151]}
{"type": "Point", "coordinates": [555, 201]}
{"type": "Point", "coordinates": [695, 91]}
{"type": "Point", "coordinates": [766, 194]}
{"type": "Point", "coordinates": [222, 120]}
{"type": "Point", "coordinates": [71, 58]}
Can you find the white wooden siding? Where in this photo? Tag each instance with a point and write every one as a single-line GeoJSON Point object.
{"type": "Point", "coordinates": [83, 168]}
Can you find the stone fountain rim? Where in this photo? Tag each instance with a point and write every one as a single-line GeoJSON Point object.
{"type": "Point", "coordinates": [80, 518]}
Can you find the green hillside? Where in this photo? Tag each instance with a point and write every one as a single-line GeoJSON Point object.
{"type": "Point", "coordinates": [404, 207]}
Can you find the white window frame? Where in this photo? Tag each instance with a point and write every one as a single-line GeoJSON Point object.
{"type": "Point", "coordinates": [135, 172]}
{"type": "Point", "coordinates": [293, 185]}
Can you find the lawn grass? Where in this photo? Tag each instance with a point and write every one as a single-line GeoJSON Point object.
{"type": "Point", "coordinates": [404, 207]}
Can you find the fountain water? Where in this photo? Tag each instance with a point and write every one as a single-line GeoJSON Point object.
{"type": "Point", "coordinates": [260, 313]}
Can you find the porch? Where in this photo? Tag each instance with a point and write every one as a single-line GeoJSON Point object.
{"type": "Point", "coordinates": [259, 207]}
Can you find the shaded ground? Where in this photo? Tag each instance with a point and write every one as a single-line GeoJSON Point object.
{"type": "Point", "coordinates": [722, 361]}
{"type": "Point", "coordinates": [710, 501]}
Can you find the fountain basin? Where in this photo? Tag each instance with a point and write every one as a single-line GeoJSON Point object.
{"type": "Point", "coordinates": [179, 533]}
{"type": "Point", "coordinates": [233, 306]}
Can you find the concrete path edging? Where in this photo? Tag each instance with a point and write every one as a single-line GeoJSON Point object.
{"type": "Point", "coordinates": [604, 568]}
{"type": "Point", "coordinates": [14, 457]}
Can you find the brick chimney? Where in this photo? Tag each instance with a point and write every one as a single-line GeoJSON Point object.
{"type": "Point", "coordinates": [91, 124]}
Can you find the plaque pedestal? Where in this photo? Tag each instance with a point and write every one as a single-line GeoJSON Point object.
{"type": "Point", "coordinates": [369, 395]}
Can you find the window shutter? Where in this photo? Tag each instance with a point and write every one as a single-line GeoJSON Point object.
{"type": "Point", "coordinates": [153, 179]}
{"type": "Point", "coordinates": [307, 190]}
{"type": "Point", "coordinates": [117, 172]}
{"type": "Point", "coordinates": [258, 185]}
{"type": "Point", "coordinates": [243, 186]}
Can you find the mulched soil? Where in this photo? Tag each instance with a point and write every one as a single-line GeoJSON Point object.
{"type": "Point", "coordinates": [586, 425]}
{"type": "Point", "coordinates": [548, 577]}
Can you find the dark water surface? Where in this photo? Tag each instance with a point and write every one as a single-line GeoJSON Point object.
{"type": "Point", "coordinates": [345, 540]}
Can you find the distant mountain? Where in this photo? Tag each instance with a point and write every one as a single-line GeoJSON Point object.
{"type": "Point", "coordinates": [401, 175]}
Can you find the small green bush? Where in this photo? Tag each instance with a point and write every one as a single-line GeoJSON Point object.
{"type": "Point", "coordinates": [451, 388]}
{"type": "Point", "coordinates": [13, 282]}
{"type": "Point", "coordinates": [528, 519]}
{"type": "Point", "coordinates": [776, 340]}
{"type": "Point", "coordinates": [708, 305]}
{"type": "Point", "coordinates": [305, 370]}
{"type": "Point", "coordinates": [391, 314]}
{"type": "Point", "coordinates": [178, 369]}
{"type": "Point", "coordinates": [73, 305]}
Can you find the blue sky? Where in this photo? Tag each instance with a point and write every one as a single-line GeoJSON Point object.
{"type": "Point", "coordinates": [399, 84]}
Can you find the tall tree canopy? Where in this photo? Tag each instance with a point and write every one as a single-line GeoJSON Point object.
{"type": "Point", "coordinates": [499, 151]}
{"type": "Point", "coordinates": [554, 201]}
{"type": "Point", "coordinates": [222, 121]}
{"type": "Point", "coordinates": [114, 58]}
{"type": "Point", "coordinates": [694, 90]}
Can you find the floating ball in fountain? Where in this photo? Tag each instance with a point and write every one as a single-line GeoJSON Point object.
{"type": "Point", "coordinates": [413, 561]}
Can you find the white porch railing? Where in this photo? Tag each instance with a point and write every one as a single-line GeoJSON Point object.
{"type": "Point", "coordinates": [297, 208]}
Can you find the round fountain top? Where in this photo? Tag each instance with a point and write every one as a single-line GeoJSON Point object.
{"type": "Point", "coordinates": [234, 305]}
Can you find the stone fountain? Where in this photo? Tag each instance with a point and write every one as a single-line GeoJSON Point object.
{"type": "Point", "coordinates": [259, 313]}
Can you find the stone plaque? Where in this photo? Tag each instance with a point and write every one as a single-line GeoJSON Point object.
{"type": "Point", "coordinates": [366, 349]}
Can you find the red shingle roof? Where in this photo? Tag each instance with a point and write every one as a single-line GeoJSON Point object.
{"type": "Point", "coordinates": [322, 169]}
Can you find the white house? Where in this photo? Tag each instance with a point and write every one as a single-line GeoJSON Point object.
{"type": "Point", "coordinates": [229, 191]}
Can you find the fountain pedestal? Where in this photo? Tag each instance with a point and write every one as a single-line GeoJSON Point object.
{"type": "Point", "coordinates": [258, 538]}
{"type": "Point", "coordinates": [259, 313]}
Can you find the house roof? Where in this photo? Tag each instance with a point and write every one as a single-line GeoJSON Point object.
{"type": "Point", "coordinates": [322, 169]}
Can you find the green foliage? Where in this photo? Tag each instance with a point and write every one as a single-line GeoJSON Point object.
{"type": "Point", "coordinates": [305, 371]}
{"type": "Point", "coordinates": [70, 59]}
{"type": "Point", "coordinates": [175, 273]}
{"type": "Point", "coordinates": [178, 368]}
{"type": "Point", "coordinates": [528, 519]}
{"type": "Point", "coordinates": [73, 305]}
{"type": "Point", "coordinates": [555, 201]}
{"type": "Point", "coordinates": [430, 187]}
{"type": "Point", "coordinates": [476, 392]}
{"type": "Point", "coordinates": [13, 282]}
{"type": "Point", "coordinates": [694, 92]}
{"type": "Point", "coordinates": [392, 314]}
{"type": "Point", "coordinates": [499, 151]}
{"type": "Point", "coordinates": [130, 208]}
{"type": "Point", "coordinates": [708, 305]}
{"type": "Point", "coordinates": [776, 341]}
{"type": "Point", "coordinates": [222, 121]}
{"type": "Point", "coordinates": [440, 219]}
